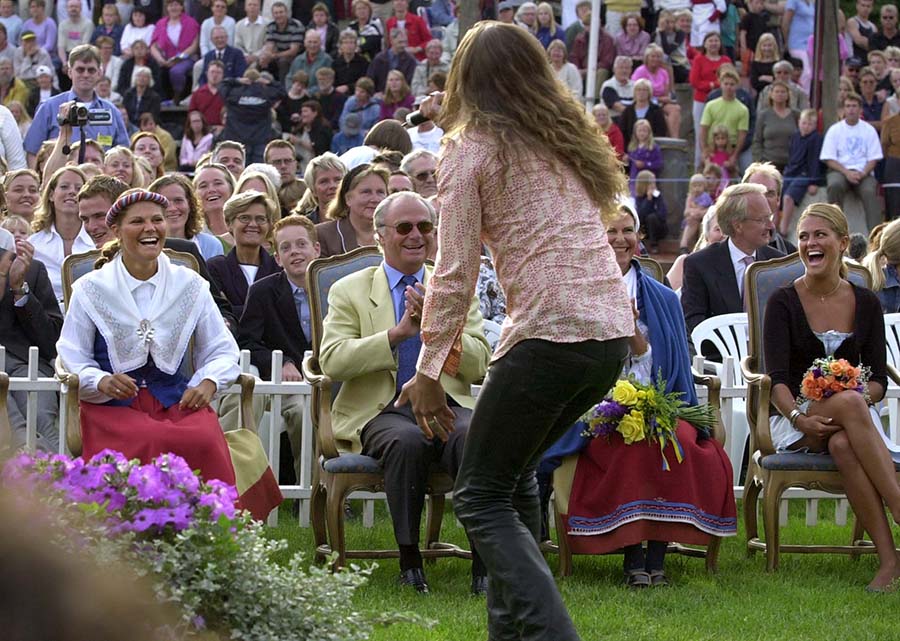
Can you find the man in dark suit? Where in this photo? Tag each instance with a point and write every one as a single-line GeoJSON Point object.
{"type": "Point", "coordinates": [231, 57]}
{"type": "Point", "coordinates": [276, 316]}
{"type": "Point", "coordinates": [714, 276]}
{"type": "Point", "coordinates": [29, 315]}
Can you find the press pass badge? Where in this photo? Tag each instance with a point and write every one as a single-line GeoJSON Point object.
{"type": "Point", "coordinates": [105, 140]}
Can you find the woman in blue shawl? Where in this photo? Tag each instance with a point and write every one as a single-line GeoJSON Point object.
{"type": "Point", "coordinates": [611, 495]}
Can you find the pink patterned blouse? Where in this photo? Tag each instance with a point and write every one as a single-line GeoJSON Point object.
{"type": "Point", "coordinates": [549, 247]}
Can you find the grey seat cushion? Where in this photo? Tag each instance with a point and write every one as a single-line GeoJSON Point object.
{"type": "Point", "coordinates": [352, 464]}
{"type": "Point", "coordinates": [798, 462]}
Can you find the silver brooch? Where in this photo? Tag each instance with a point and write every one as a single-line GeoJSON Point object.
{"type": "Point", "coordinates": [145, 331]}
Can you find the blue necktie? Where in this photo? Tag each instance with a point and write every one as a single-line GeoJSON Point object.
{"type": "Point", "coordinates": [303, 312]}
{"type": "Point", "coordinates": [408, 350]}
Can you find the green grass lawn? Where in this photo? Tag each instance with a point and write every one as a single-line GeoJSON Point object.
{"type": "Point", "coordinates": [811, 597]}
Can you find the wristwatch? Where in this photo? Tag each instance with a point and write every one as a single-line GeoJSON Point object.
{"type": "Point", "coordinates": [22, 291]}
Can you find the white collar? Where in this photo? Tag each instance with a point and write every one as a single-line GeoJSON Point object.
{"type": "Point", "coordinates": [177, 303]}
{"type": "Point", "coordinates": [737, 255]}
{"type": "Point", "coordinates": [133, 283]}
{"type": "Point", "coordinates": [630, 278]}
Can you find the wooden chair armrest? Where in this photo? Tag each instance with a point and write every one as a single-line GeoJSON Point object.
{"type": "Point", "coordinates": [73, 416]}
{"type": "Point", "coordinates": [893, 374]}
{"type": "Point", "coordinates": [712, 384]}
{"type": "Point", "coordinates": [760, 432]}
{"type": "Point", "coordinates": [248, 418]}
{"type": "Point", "coordinates": [5, 428]}
{"type": "Point", "coordinates": [313, 373]}
{"type": "Point", "coordinates": [321, 407]}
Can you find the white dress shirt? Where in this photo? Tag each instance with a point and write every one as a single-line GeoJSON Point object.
{"type": "Point", "coordinates": [215, 350]}
{"type": "Point", "coordinates": [48, 248]}
{"type": "Point", "coordinates": [737, 261]}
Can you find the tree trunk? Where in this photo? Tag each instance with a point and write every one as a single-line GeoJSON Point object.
{"type": "Point", "coordinates": [469, 13]}
{"type": "Point", "coordinates": [826, 62]}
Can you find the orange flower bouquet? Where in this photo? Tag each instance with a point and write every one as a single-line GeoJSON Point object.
{"type": "Point", "coordinates": [828, 376]}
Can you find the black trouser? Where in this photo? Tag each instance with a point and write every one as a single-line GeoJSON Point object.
{"type": "Point", "coordinates": [531, 396]}
{"type": "Point", "coordinates": [407, 456]}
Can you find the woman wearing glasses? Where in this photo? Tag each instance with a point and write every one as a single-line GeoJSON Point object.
{"type": "Point", "coordinates": [526, 171]}
{"type": "Point", "coordinates": [249, 216]}
{"type": "Point", "coordinates": [352, 211]}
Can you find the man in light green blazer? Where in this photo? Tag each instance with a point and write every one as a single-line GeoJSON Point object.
{"type": "Point", "coordinates": [371, 343]}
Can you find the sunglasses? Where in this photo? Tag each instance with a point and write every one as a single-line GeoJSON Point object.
{"type": "Point", "coordinates": [404, 229]}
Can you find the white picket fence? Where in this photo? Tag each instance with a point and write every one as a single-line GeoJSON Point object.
{"type": "Point", "coordinates": [272, 426]}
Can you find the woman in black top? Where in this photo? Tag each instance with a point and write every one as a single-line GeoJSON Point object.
{"type": "Point", "coordinates": [642, 107]}
{"type": "Point", "coordinates": [349, 65]}
{"type": "Point", "coordinates": [822, 314]}
{"type": "Point", "coordinates": [369, 28]}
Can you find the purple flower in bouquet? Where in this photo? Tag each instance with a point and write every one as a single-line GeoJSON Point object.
{"type": "Point", "coordinates": [145, 519]}
{"type": "Point", "coordinates": [114, 500]}
{"type": "Point", "coordinates": [611, 409]}
{"type": "Point", "coordinates": [178, 472]}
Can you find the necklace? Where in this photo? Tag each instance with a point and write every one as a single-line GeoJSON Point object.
{"type": "Point", "coordinates": [822, 297]}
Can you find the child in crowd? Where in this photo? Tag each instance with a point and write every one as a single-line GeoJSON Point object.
{"type": "Point", "coordinates": [715, 180]}
{"type": "Point", "coordinates": [643, 151]}
{"type": "Point", "coordinates": [349, 136]}
{"type": "Point", "coordinates": [651, 209]}
{"type": "Point", "coordinates": [698, 201]}
{"type": "Point", "coordinates": [721, 155]}
{"type": "Point", "coordinates": [803, 170]}
{"type": "Point", "coordinates": [17, 226]}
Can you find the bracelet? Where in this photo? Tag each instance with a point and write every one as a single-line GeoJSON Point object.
{"type": "Point", "coordinates": [794, 415]}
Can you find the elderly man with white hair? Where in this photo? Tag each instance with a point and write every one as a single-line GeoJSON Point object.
{"type": "Point", "coordinates": [420, 165]}
{"type": "Point", "coordinates": [434, 52]}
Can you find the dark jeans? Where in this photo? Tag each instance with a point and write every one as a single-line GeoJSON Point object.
{"type": "Point", "coordinates": [530, 397]}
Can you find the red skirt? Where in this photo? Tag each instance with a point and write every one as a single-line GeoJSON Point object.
{"type": "Point", "coordinates": [622, 496]}
{"type": "Point", "coordinates": [146, 429]}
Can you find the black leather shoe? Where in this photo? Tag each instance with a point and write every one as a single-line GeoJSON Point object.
{"type": "Point", "coordinates": [414, 577]}
{"type": "Point", "coordinates": [479, 585]}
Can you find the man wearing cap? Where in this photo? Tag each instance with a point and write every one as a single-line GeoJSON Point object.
{"type": "Point", "coordinates": [11, 88]}
{"type": "Point", "coordinates": [349, 136]}
{"type": "Point", "coordinates": [84, 69]}
{"type": "Point", "coordinates": [852, 65]}
{"type": "Point", "coordinates": [28, 57]}
{"type": "Point", "coordinates": [506, 11]}
{"type": "Point", "coordinates": [43, 91]}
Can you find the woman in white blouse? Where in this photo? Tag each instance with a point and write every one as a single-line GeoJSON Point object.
{"type": "Point", "coordinates": [127, 334]}
{"type": "Point", "coordinates": [566, 72]}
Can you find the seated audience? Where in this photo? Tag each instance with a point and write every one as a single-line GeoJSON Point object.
{"type": "Point", "coordinates": [611, 129]}
{"type": "Point", "coordinates": [129, 403]}
{"type": "Point", "coordinates": [184, 215]}
{"type": "Point", "coordinates": [396, 57]}
{"type": "Point", "coordinates": [421, 166]}
{"type": "Point", "coordinates": [373, 315]}
{"type": "Point", "coordinates": [642, 107]}
{"type": "Point", "coordinates": [141, 97]}
{"type": "Point", "coordinates": [774, 128]}
{"type": "Point", "coordinates": [709, 233]}
{"type": "Point", "coordinates": [311, 60]}
{"type": "Point", "coordinates": [197, 141]}
{"type": "Point", "coordinates": [248, 106]}
{"type": "Point", "coordinates": [618, 92]}
{"type": "Point", "coordinates": [22, 191]}
{"type": "Point", "coordinates": [767, 175]}
{"type": "Point", "coordinates": [547, 28]}
{"type": "Point", "coordinates": [651, 209]}
{"type": "Point", "coordinates": [725, 110]}
{"type": "Point", "coordinates": [176, 58]}
{"type": "Point", "coordinates": [565, 71]}
{"type": "Point", "coordinates": [606, 54]}
{"type": "Point", "coordinates": [231, 57]}
{"type": "Point", "coordinates": [351, 211]}
{"type": "Point", "coordinates": [281, 155]}
{"type": "Point", "coordinates": [783, 71]}
{"type": "Point", "coordinates": [277, 316]}
{"type": "Point", "coordinates": [323, 177]}
{"type": "Point", "coordinates": [803, 172]}
{"type": "Point", "coordinates": [822, 314]}
{"type": "Point", "coordinates": [249, 216]}
{"type": "Point", "coordinates": [851, 150]}
{"type": "Point", "coordinates": [29, 316]}
{"type": "Point", "coordinates": [432, 64]}
{"type": "Point", "coordinates": [604, 477]}
{"type": "Point", "coordinates": [714, 276]}
{"type": "Point", "coordinates": [369, 29]}
{"type": "Point", "coordinates": [57, 229]}
{"type": "Point", "coordinates": [362, 102]}
{"type": "Point", "coordinates": [696, 204]}
{"type": "Point", "coordinates": [643, 151]}
{"type": "Point", "coordinates": [663, 88]}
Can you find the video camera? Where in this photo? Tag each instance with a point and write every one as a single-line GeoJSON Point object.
{"type": "Point", "coordinates": [79, 116]}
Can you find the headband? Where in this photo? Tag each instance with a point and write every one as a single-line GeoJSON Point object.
{"type": "Point", "coordinates": [131, 198]}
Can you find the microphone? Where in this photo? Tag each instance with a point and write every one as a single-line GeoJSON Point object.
{"type": "Point", "coordinates": [415, 118]}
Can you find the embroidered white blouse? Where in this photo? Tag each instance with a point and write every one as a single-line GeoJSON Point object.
{"type": "Point", "coordinates": [215, 352]}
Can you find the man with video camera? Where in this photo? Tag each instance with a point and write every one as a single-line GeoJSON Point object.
{"type": "Point", "coordinates": [101, 120]}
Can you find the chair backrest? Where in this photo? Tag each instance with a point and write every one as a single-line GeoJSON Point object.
{"type": "Point", "coordinates": [728, 333]}
{"type": "Point", "coordinates": [651, 268]}
{"type": "Point", "coordinates": [892, 338]}
{"type": "Point", "coordinates": [492, 332]}
{"type": "Point", "coordinates": [764, 278]}
{"type": "Point", "coordinates": [322, 273]}
{"type": "Point", "coordinates": [77, 265]}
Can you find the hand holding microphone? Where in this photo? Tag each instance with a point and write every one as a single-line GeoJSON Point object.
{"type": "Point", "coordinates": [428, 110]}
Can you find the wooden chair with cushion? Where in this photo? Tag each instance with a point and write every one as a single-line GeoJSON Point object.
{"type": "Point", "coordinates": [654, 270]}
{"type": "Point", "coordinates": [76, 266]}
{"type": "Point", "coordinates": [336, 473]}
{"type": "Point", "coordinates": [768, 472]}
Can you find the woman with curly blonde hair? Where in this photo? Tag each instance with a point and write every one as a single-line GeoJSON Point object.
{"type": "Point", "coordinates": [526, 171]}
{"type": "Point", "coordinates": [57, 229]}
{"type": "Point", "coordinates": [119, 162]}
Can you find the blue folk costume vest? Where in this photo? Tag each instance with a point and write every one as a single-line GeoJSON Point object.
{"type": "Point", "coordinates": [166, 388]}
